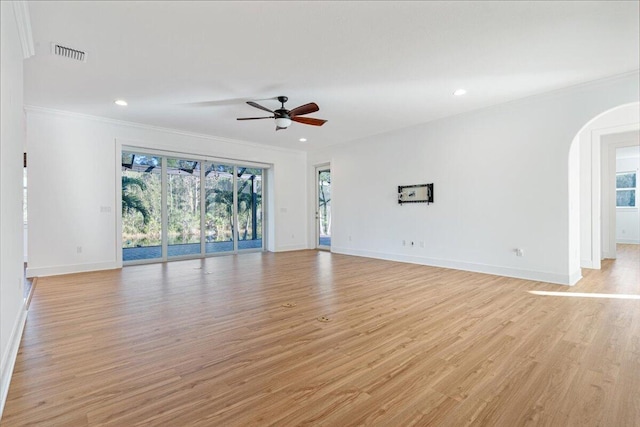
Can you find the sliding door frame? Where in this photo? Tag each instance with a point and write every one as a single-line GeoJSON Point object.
{"type": "Point", "coordinates": [164, 155]}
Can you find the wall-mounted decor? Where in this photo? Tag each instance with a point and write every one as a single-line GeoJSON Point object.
{"type": "Point", "coordinates": [419, 193]}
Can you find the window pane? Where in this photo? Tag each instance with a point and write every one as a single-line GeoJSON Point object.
{"type": "Point", "coordinates": [219, 208]}
{"type": "Point", "coordinates": [324, 208]}
{"type": "Point", "coordinates": [249, 208]}
{"type": "Point", "coordinates": [141, 211]}
{"type": "Point", "coordinates": [183, 207]}
{"type": "Point", "coordinates": [626, 180]}
{"type": "Point", "coordinates": [626, 198]}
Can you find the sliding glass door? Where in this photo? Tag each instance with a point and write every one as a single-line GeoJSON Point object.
{"type": "Point", "coordinates": [249, 203]}
{"type": "Point", "coordinates": [219, 204]}
{"type": "Point", "coordinates": [141, 207]}
{"type": "Point", "coordinates": [183, 207]}
{"type": "Point", "coordinates": [177, 207]}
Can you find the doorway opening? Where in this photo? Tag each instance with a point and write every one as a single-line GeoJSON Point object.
{"type": "Point", "coordinates": [592, 186]}
{"type": "Point", "coordinates": [27, 287]}
{"type": "Point", "coordinates": [620, 219]}
{"type": "Point", "coordinates": [323, 207]}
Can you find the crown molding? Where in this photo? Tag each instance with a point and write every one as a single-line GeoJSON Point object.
{"type": "Point", "coordinates": [45, 110]}
{"type": "Point", "coordinates": [23, 20]}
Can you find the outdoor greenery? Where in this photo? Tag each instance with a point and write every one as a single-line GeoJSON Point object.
{"type": "Point", "coordinates": [141, 201]}
{"type": "Point", "coordinates": [183, 202]}
{"type": "Point", "coordinates": [131, 201]}
{"type": "Point", "coordinates": [249, 202]}
{"type": "Point", "coordinates": [324, 202]}
{"type": "Point", "coordinates": [141, 209]}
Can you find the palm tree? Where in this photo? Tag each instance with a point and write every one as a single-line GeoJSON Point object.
{"type": "Point", "coordinates": [131, 202]}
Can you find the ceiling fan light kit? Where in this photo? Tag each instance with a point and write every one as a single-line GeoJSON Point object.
{"type": "Point", "coordinates": [283, 122]}
{"type": "Point", "coordinates": [284, 117]}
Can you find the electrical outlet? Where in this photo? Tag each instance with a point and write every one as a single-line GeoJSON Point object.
{"type": "Point", "coordinates": [519, 252]}
{"type": "Point", "coordinates": [79, 249]}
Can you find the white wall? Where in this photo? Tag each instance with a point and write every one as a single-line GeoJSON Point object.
{"type": "Point", "coordinates": [12, 310]}
{"type": "Point", "coordinates": [501, 179]}
{"type": "Point", "coordinates": [73, 173]}
{"type": "Point", "coordinates": [628, 219]}
{"type": "Point", "coordinates": [618, 120]}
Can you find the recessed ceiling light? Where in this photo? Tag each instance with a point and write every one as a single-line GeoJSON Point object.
{"type": "Point", "coordinates": [121, 102]}
{"type": "Point", "coordinates": [303, 140]}
{"type": "Point", "coordinates": [459, 92]}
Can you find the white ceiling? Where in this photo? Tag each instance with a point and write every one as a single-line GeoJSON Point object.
{"type": "Point", "coordinates": [372, 67]}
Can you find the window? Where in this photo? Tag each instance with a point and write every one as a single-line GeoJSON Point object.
{"type": "Point", "coordinates": [626, 189]}
{"type": "Point", "coordinates": [174, 207]}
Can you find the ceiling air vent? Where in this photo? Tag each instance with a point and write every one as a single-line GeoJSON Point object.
{"type": "Point", "coordinates": [68, 52]}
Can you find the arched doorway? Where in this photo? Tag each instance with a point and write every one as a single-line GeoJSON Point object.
{"type": "Point", "coordinates": [591, 203]}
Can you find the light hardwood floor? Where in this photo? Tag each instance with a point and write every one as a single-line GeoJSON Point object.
{"type": "Point", "coordinates": [209, 343]}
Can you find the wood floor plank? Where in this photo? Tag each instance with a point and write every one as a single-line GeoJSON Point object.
{"type": "Point", "coordinates": [236, 341]}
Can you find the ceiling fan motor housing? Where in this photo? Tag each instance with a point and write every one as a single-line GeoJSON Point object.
{"type": "Point", "coordinates": [282, 112]}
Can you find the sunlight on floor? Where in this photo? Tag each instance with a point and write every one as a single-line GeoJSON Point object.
{"type": "Point", "coordinates": [584, 295]}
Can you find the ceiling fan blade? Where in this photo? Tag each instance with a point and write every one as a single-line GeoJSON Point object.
{"type": "Point", "coordinates": [256, 105]}
{"type": "Point", "coordinates": [255, 118]}
{"type": "Point", "coordinates": [309, 121]}
{"type": "Point", "coordinates": [312, 107]}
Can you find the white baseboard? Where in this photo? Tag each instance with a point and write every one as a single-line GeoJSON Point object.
{"type": "Point", "coordinates": [628, 241]}
{"type": "Point", "coordinates": [287, 248]}
{"type": "Point", "coordinates": [539, 276]}
{"type": "Point", "coordinates": [68, 269]}
{"type": "Point", "coordinates": [575, 277]}
{"type": "Point", "coordinates": [586, 263]}
{"type": "Point", "coordinates": [9, 358]}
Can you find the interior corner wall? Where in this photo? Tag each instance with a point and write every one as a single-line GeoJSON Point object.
{"type": "Point", "coordinates": [501, 182]}
{"type": "Point", "coordinates": [73, 176]}
{"type": "Point", "coordinates": [620, 119]}
{"type": "Point", "coordinates": [12, 309]}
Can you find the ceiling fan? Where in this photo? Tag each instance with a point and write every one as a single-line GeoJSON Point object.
{"type": "Point", "coordinates": [284, 117]}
